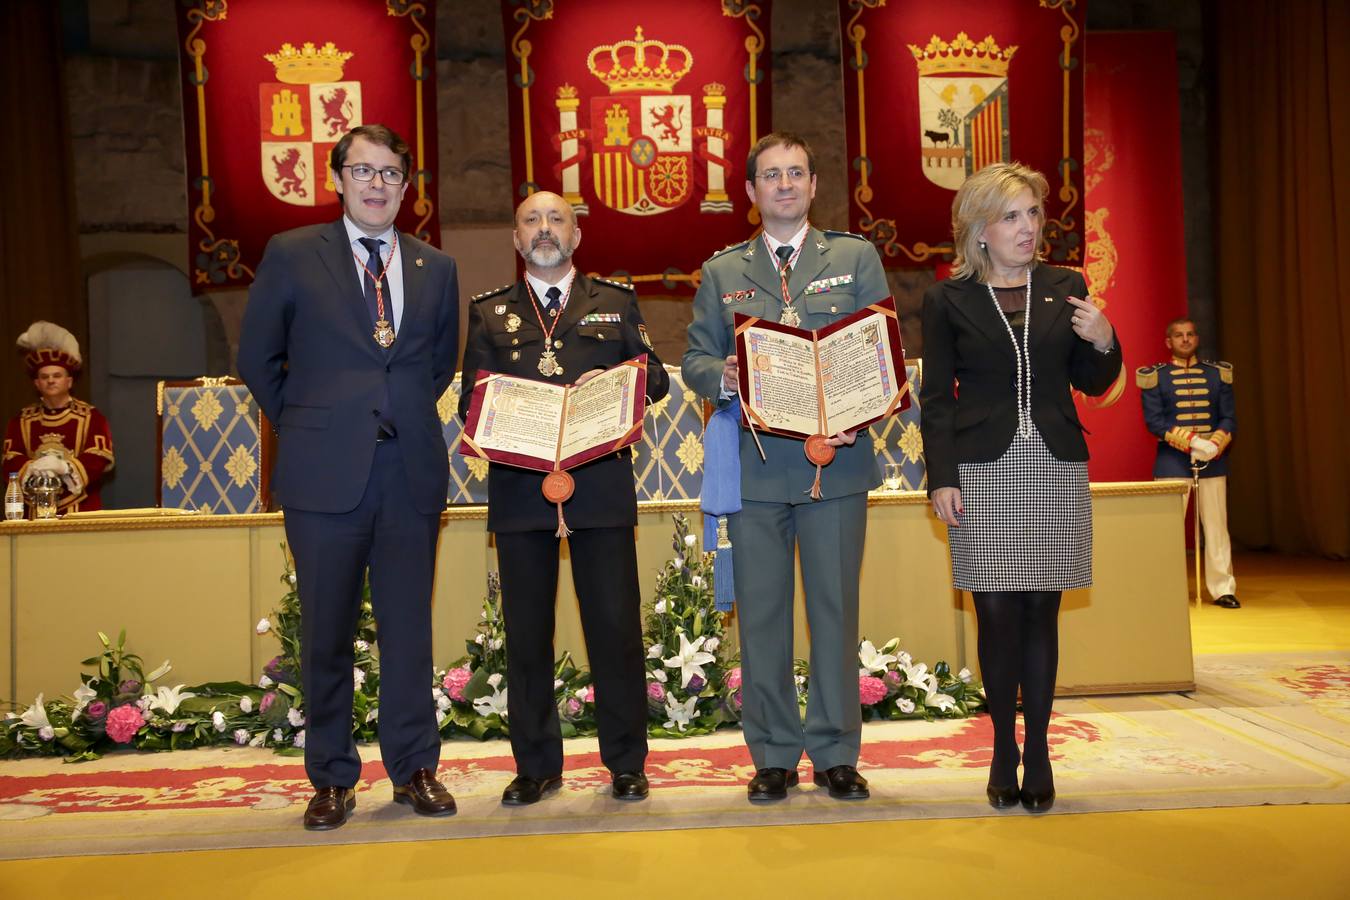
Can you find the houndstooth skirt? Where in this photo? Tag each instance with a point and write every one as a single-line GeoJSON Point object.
{"type": "Point", "coordinates": [1027, 523]}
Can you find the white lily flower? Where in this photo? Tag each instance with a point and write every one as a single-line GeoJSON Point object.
{"type": "Point", "coordinates": [904, 659]}
{"type": "Point", "coordinates": [939, 700]}
{"type": "Point", "coordinates": [241, 736]}
{"type": "Point", "coordinates": [258, 740]}
{"type": "Point", "coordinates": [964, 675]}
{"type": "Point", "coordinates": [218, 720]}
{"type": "Point", "coordinates": [442, 702]}
{"type": "Point", "coordinates": [83, 695]}
{"type": "Point", "coordinates": [678, 561]}
{"type": "Point", "coordinates": [655, 651]}
{"type": "Point", "coordinates": [930, 682]}
{"type": "Point", "coordinates": [680, 714]}
{"type": "Point", "coordinates": [164, 669]}
{"type": "Point", "coordinates": [299, 740]}
{"type": "Point", "coordinates": [246, 704]}
{"type": "Point", "coordinates": [263, 626]}
{"type": "Point", "coordinates": [145, 703]}
{"type": "Point", "coordinates": [486, 706]}
{"type": "Point", "coordinates": [265, 682]}
{"type": "Point", "coordinates": [494, 680]}
{"type": "Point", "coordinates": [696, 580]}
{"type": "Point", "coordinates": [358, 677]}
{"type": "Point", "coordinates": [295, 717]}
{"type": "Point", "coordinates": [711, 644]}
{"type": "Point", "coordinates": [373, 715]}
{"type": "Point", "coordinates": [660, 675]}
{"type": "Point", "coordinates": [660, 607]}
{"type": "Point", "coordinates": [872, 659]}
{"type": "Point", "coordinates": [557, 683]}
{"type": "Point", "coordinates": [168, 699]}
{"type": "Point", "coordinates": [905, 705]}
{"type": "Point", "coordinates": [46, 733]}
{"type": "Point", "coordinates": [496, 644]}
{"type": "Point", "coordinates": [36, 715]}
{"type": "Point", "coordinates": [690, 660]}
{"type": "Point", "coordinates": [915, 675]}
{"type": "Point", "coordinates": [440, 717]}
{"type": "Point", "coordinates": [690, 540]}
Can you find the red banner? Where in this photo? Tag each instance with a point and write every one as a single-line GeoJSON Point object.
{"type": "Point", "coordinates": [935, 91]}
{"type": "Point", "coordinates": [268, 89]}
{"type": "Point", "coordinates": [1136, 259]}
{"type": "Point", "coordinates": [640, 114]}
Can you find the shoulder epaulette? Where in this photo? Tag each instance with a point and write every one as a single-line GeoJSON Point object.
{"type": "Point", "coordinates": [1225, 369]}
{"type": "Point", "coordinates": [728, 248]}
{"type": "Point", "coordinates": [613, 283]}
{"type": "Point", "coordinates": [80, 405]}
{"type": "Point", "coordinates": [1146, 377]}
{"type": "Point", "coordinates": [492, 293]}
{"type": "Point", "coordinates": [832, 233]}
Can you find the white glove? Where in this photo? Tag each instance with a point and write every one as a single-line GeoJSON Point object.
{"type": "Point", "coordinates": [1203, 449]}
{"type": "Point", "coordinates": [50, 463]}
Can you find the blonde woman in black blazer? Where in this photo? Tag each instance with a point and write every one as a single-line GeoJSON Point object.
{"type": "Point", "coordinates": [1004, 340]}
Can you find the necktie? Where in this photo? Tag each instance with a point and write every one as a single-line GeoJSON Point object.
{"type": "Point", "coordinates": [554, 304]}
{"type": "Point", "coordinates": [375, 264]}
{"type": "Point", "coordinates": [784, 255]}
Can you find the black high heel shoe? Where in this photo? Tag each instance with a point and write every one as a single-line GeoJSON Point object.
{"type": "Point", "coordinates": [1036, 801]}
{"type": "Point", "coordinates": [1002, 797]}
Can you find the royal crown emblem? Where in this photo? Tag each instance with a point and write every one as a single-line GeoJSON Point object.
{"type": "Point", "coordinates": [963, 106]}
{"type": "Point", "coordinates": [301, 116]}
{"type": "Point", "coordinates": [640, 65]}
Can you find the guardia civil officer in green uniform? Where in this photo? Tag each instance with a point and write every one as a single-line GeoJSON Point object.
{"type": "Point", "coordinates": [558, 325]}
{"type": "Point", "coordinates": [829, 275]}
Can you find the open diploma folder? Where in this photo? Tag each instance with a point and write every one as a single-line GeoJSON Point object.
{"type": "Point", "coordinates": [533, 424]}
{"type": "Point", "coordinates": [799, 383]}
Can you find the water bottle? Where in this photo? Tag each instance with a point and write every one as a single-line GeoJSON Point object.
{"type": "Point", "coordinates": [13, 498]}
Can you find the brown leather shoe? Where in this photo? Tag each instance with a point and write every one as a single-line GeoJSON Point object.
{"type": "Point", "coordinates": [426, 795]}
{"type": "Point", "coordinates": [329, 808]}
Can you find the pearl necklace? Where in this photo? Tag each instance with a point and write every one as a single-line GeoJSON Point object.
{"type": "Point", "coordinates": [1023, 355]}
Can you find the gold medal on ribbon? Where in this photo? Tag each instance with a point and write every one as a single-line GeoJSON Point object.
{"type": "Point", "coordinates": [790, 318]}
{"type": "Point", "coordinates": [384, 334]}
{"type": "Point", "coordinates": [548, 364]}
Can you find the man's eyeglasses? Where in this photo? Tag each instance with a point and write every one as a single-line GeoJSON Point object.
{"type": "Point", "coordinates": [773, 176]}
{"type": "Point", "coordinates": [389, 175]}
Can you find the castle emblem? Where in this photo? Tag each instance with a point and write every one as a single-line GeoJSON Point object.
{"type": "Point", "coordinates": [301, 116]}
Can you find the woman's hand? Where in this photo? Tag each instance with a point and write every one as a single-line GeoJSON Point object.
{"type": "Point", "coordinates": [843, 439]}
{"type": "Point", "coordinates": [1091, 325]}
{"type": "Point", "coordinates": [947, 504]}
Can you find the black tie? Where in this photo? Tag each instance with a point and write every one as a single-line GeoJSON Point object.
{"type": "Point", "coordinates": [375, 265]}
{"type": "Point", "coordinates": [554, 303]}
{"type": "Point", "coordinates": [784, 256]}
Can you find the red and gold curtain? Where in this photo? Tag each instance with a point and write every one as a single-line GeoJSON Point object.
{"type": "Point", "coordinates": [1136, 254]}
{"type": "Point", "coordinates": [640, 114]}
{"type": "Point", "coordinates": [268, 89]}
{"type": "Point", "coordinates": [936, 91]}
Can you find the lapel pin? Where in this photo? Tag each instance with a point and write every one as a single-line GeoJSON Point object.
{"type": "Point", "coordinates": [1049, 299]}
{"type": "Point", "coordinates": [419, 262]}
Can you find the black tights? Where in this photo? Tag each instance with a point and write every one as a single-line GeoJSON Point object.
{"type": "Point", "coordinates": [1019, 646]}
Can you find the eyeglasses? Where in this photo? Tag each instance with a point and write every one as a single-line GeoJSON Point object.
{"type": "Point", "coordinates": [773, 176]}
{"type": "Point", "coordinates": [363, 172]}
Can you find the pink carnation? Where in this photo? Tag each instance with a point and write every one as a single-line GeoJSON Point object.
{"type": "Point", "coordinates": [123, 722]}
{"type": "Point", "coordinates": [734, 679]}
{"type": "Point", "coordinates": [655, 691]}
{"type": "Point", "coordinates": [454, 682]}
{"type": "Point", "coordinates": [871, 689]}
{"type": "Point", "coordinates": [590, 693]}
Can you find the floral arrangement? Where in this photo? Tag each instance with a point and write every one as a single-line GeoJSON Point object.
{"type": "Point", "coordinates": [693, 683]}
{"type": "Point", "coordinates": [687, 669]}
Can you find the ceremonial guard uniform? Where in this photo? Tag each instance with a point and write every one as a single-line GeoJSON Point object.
{"type": "Point", "coordinates": [598, 327]}
{"type": "Point", "coordinates": [833, 275]}
{"type": "Point", "coordinates": [1184, 399]}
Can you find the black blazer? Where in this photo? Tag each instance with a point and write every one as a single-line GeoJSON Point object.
{"type": "Point", "coordinates": [600, 327]}
{"type": "Point", "coordinates": [307, 354]}
{"type": "Point", "coordinates": [969, 394]}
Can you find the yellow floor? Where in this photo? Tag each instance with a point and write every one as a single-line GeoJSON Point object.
{"type": "Point", "coordinates": [1288, 605]}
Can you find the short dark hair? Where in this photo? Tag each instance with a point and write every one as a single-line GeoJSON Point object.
{"type": "Point", "coordinates": [778, 139]}
{"type": "Point", "coordinates": [1175, 322]}
{"type": "Point", "coordinates": [376, 134]}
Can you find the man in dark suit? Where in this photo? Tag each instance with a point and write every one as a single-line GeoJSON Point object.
{"type": "Point", "coordinates": [348, 340]}
{"type": "Point", "coordinates": [828, 275]}
{"type": "Point", "coordinates": [566, 328]}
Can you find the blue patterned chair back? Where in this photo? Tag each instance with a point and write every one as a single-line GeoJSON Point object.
{"type": "Point", "coordinates": [897, 440]}
{"type": "Point", "coordinates": [210, 446]}
{"type": "Point", "coordinates": [468, 477]}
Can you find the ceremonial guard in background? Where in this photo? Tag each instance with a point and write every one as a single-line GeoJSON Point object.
{"type": "Point", "coordinates": [58, 434]}
{"type": "Point", "coordinates": [806, 278]}
{"type": "Point", "coordinates": [1189, 407]}
{"type": "Point", "coordinates": [561, 326]}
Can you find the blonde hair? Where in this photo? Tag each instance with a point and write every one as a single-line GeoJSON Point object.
{"type": "Point", "coordinates": [982, 198]}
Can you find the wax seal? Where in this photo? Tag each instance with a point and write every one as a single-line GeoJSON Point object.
{"type": "Point", "coordinates": [558, 487]}
{"type": "Point", "coordinates": [818, 450]}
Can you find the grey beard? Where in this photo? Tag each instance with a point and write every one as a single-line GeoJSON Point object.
{"type": "Point", "coordinates": [546, 256]}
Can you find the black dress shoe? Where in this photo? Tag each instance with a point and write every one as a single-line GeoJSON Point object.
{"type": "Point", "coordinates": [426, 795]}
{"type": "Point", "coordinates": [769, 785]}
{"type": "Point", "coordinates": [1002, 797]}
{"type": "Point", "coordinates": [1227, 601]}
{"type": "Point", "coordinates": [329, 808]}
{"type": "Point", "coordinates": [1038, 801]}
{"type": "Point", "coordinates": [844, 783]}
{"type": "Point", "coordinates": [630, 786]}
{"type": "Point", "coordinates": [524, 790]}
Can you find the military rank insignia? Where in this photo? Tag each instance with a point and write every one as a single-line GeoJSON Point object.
{"type": "Point", "coordinates": [738, 296]}
{"type": "Point", "coordinates": [601, 319]}
{"type": "Point", "coordinates": [825, 285]}
{"type": "Point", "coordinates": [646, 339]}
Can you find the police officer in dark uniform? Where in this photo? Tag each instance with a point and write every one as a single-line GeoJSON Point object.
{"type": "Point", "coordinates": [1189, 407]}
{"type": "Point", "coordinates": [558, 325]}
